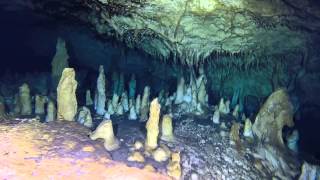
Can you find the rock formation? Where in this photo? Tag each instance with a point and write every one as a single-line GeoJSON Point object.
{"type": "Point", "coordinates": [39, 104]}
{"type": "Point", "coordinates": [292, 141]}
{"type": "Point", "coordinates": [132, 114]}
{"type": "Point", "coordinates": [276, 113]}
{"type": "Point", "coordinates": [66, 95]}
{"type": "Point", "coordinates": [51, 111]}
{"type": "Point", "coordinates": [89, 100]}
{"type": "Point", "coordinates": [136, 156]}
{"type": "Point", "coordinates": [145, 104]}
{"type": "Point", "coordinates": [25, 100]}
{"type": "Point", "coordinates": [105, 131]}
{"type": "Point", "coordinates": [132, 87]}
{"type": "Point", "coordinates": [309, 172]}
{"type": "Point", "coordinates": [174, 167]}
{"type": "Point", "coordinates": [216, 117]}
{"type": "Point", "coordinates": [247, 132]}
{"type": "Point", "coordinates": [59, 62]}
{"type": "Point", "coordinates": [152, 125]}
{"type": "Point", "coordinates": [138, 104]}
{"type": "Point", "coordinates": [84, 117]}
{"type": "Point", "coordinates": [160, 155]}
{"type": "Point", "coordinates": [180, 91]}
{"type": "Point", "coordinates": [167, 128]}
{"type": "Point", "coordinates": [100, 97]}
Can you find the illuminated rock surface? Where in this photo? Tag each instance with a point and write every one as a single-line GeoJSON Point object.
{"type": "Point", "coordinates": [53, 151]}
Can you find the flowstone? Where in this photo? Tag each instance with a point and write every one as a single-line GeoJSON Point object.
{"type": "Point", "coordinates": [276, 113]}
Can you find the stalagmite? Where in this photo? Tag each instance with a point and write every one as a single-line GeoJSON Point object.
{"type": "Point", "coordinates": [115, 101]}
{"type": "Point", "coordinates": [115, 83]}
{"type": "Point", "coordinates": [167, 129]}
{"type": "Point", "coordinates": [132, 87]}
{"type": "Point", "coordinates": [136, 156]}
{"type": "Point", "coordinates": [138, 104]}
{"type": "Point", "coordinates": [180, 91]}
{"type": "Point", "coordinates": [125, 101]}
{"type": "Point", "coordinates": [2, 109]}
{"type": "Point", "coordinates": [51, 111]}
{"type": "Point", "coordinates": [174, 167]}
{"type": "Point", "coordinates": [187, 96]}
{"type": "Point", "coordinates": [276, 113]}
{"type": "Point", "coordinates": [132, 114]}
{"type": "Point", "coordinates": [234, 134]}
{"type": "Point", "coordinates": [235, 112]}
{"type": "Point", "coordinates": [202, 94]}
{"type": "Point", "coordinates": [110, 108]}
{"type": "Point", "coordinates": [247, 132]}
{"type": "Point", "coordinates": [222, 107]}
{"type": "Point", "coordinates": [152, 125]}
{"type": "Point", "coordinates": [160, 155]}
{"type": "Point", "coordinates": [17, 106]}
{"type": "Point", "coordinates": [120, 110]}
{"type": "Point", "coordinates": [84, 117]}
{"type": "Point", "coordinates": [309, 172]}
{"type": "Point", "coordinates": [59, 62]}
{"type": "Point", "coordinates": [216, 117]}
{"type": "Point", "coordinates": [39, 104]}
{"type": "Point", "coordinates": [121, 84]}
{"type": "Point", "coordinates": [145, 104]}
{"type": "Point", "coordinates": [66, 95]}
{"type": "Point", "coordinates": [25, 100]}
{"type": "Point", "coordinates": [100, 98]}
{"type": "Point", "coordinates": [227, 110]}
{"type": "Point", "coordinates": [292, 141]}
{"type": "Point", "coordinates": [89, 100]}
{"type": "Point", "coordinates": [105, 131]}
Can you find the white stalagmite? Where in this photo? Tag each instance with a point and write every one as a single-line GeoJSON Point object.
{"type": "Point", "coordinates": [180, 91]}
{"type": "Point", "coordinates": [202, 94]}
{"type": "Point", "coordinates": [66, 95]}
{"type": "Point", "coordinates": [235, 112]}
{"type": "Point", "coordinates": [227, 111]}
{"type": "Point", "coordinates": [89, 100]}
{"type": "Point", "coordinates": [247, 132]}
{"type": "Point", "coordinates": [115, 101]}
{"type": "Point", "coordinates": [100, 98]}
{"type": "Point", "coordinates": [84, 117]}
{"type": "Point", "coordinates": [59, 62]}
{"type": "Point", "coordinates": [292, 141]}
{"type": "Point", "coordinates": [110, 108]}
{"type": "Point", "coordinates": [25, 100]}
{"type": "Point", "coordinates": [125, 101]}
{"type": "Point", "coordinates": [138, 104]}
{"type": "Point", "coordinates": [145, 104]}
{"type": "Point", "coordinates": [132, 87]}
{"type": "Point", "coordinates": [222, 106]}
{"type": "Point", "coordinates": [216, 117]}
{"type": "Point", "coordinates": [120, 110]}
{"type": "Point", "coordinates": [188, 95]}
{"type": "Point", "coordinates": [39, 104]}
{"type": "Point", "coordinates": [51, 111]}
{"type": "Point", "coordinates": [133, 114]}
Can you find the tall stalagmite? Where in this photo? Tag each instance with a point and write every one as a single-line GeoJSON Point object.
{"type": "Point", "coordinates": [153, 125]}
{"type": "Point", "coordinates": [59, 62]}
{"type": "Point", "coordinates": [66, 95]}
{"type": "Point", "coordinates": [25, 100]}
{"type": "Point", "coordinates": [100, 98]}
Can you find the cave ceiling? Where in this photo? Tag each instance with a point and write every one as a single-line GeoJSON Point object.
{"type": "Point", "coordinates": [195, 30]}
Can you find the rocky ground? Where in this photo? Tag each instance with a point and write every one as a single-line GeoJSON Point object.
{"type": "Point", "coordinates": [31, 149]}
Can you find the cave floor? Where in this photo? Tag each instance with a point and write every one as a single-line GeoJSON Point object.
{"type": "Point", "coordinates": [59, 150]}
